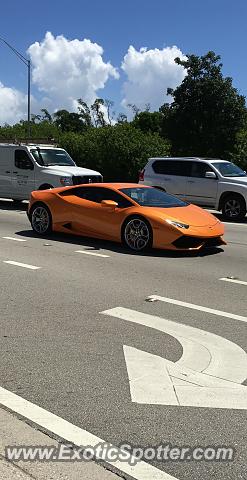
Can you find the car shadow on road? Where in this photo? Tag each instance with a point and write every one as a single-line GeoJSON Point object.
{"type": "Point", "coordinates": [97, 246]}
{"type": "Point", "coordinates": [9, 205]}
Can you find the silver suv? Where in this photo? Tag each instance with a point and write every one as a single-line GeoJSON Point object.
{"type": "Point", "coordinates": [208, 182]}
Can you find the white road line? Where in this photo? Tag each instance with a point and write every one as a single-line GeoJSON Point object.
{"type": "Point", "coordinates": [77, 436]}
{"type": "Point", "coordinates": [15, 239]}
{"type": "Point", "coordinates": [233, 280]}
{"type": "Point", "coordinates": [199, 307]}
{"type": "Point", "coordinates": [86, 252]}
{"type": "Point", "coordinates": [209, 373]}
{"type": "Point", "coordinates": [23, 265]}
{"type": "Point", "coordinates": [235, 224]}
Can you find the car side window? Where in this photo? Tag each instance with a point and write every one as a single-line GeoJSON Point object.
{"type": "Point", "coordinates": [178, 168]}
{"type": "Point", "coordinates": [199, 169]}
{"type": "Point", "coordinates": [22, 160]}
{"type": "Point", "coordinates": [97, 194]}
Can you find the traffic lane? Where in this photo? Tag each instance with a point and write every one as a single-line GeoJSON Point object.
{"type": "Point", "coordinates": [82, 377]}
{"type": "Point", "coordinates": [107, 281]}
{"type": "Point", "coordinates": [156, 275]}
{"type": "Point", "coordinates": [12, 217]}
{"type": "Point", "coordinates": [192, 278]}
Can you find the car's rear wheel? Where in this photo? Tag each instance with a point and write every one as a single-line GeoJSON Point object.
{"type": "Point", "coordinates": [137, 234]}
{"type": "Point", "coordinates": [41, 219]}
{"type": "Point", "coordinates": [234, 207]}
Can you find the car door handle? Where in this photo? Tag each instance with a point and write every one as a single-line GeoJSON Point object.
{"type": "Point", "coordinates": [7, 171]}
{"type": "Point", "coordinates": [15, 172]}
{"type": "Point", "coordinates": [191, 181]}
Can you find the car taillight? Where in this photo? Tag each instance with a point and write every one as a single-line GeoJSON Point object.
{"type": "Point", "coordinates": [141, 176]}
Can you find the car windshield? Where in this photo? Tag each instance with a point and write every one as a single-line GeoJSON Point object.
{"type": "Point", "coordinates": [152, 197]}
{"type": "Point", "coordinates": [52, 156]}
{"type": "Point", "coordinates": [228, 169]}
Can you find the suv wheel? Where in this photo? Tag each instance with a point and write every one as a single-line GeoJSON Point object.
{"type": "Point", "coordinates": [234, 207]}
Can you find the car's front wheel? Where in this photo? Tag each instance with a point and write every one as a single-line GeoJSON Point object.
{"type": "Point", "coordinates": [137, 234]}
{"type": "Point", "coordinates": [234, 207]}
{"type": "Point", "coordinates": [41, 219]}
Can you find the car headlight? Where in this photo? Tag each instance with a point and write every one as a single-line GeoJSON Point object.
{"type": "Point", "coordinates": [178, 224]}
{"type": "Point", "coordinates": [65, 181]}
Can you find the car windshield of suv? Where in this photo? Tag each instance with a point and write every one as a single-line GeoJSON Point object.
{"type": "Point", "coordinates": [52, 156]}
{"type": "Point", "coordinates": [152, 197]}
{"type": "Point", "coordinates": [228, 169]}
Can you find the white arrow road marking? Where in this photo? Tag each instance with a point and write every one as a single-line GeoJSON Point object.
{"type": "Point", "coordinates": [77, 436]}
{"type": "Point", "coordinates": [233, 280]}
{"type": "Point", "coordinates": [198, 307]}
{"type": "Point", "coordinates": [209, 373]}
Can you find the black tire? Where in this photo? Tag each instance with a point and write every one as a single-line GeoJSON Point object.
{"type": "Point", "coordinates": [137, 234]}
{"type": "Point", "coordinates": [234, 207]}
{"type": "Point", "coordinates": [46, 186]}
{"type": "Point", "coordinates": [41, 219]}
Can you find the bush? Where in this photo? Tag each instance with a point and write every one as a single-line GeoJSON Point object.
{"type": "Point", "coordinates": [118, 151]}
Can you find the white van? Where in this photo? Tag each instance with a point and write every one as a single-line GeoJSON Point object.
{"type": "Point", "coordinates": [207, 182]}
{"type": "Point", "coordinates": [24, 168]}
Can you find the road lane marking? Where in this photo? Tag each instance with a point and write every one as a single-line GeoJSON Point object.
{"type": "Point", "coordinates": [235, 224]}
{"type": "Point", "coordinates": [198, 307]}
{"type": "Point", "coordinates": [23, 265]}
{"type": "Point", "coordinates": [233, 280]}
{"type": "Point", "coordinates": [77, 436]}
{"type": "Point", "coordinates": [14, 239]}
{"type": "Point", "coordinates": [86, 252]}
{"type": "Point", "coordinates": [209, 373]}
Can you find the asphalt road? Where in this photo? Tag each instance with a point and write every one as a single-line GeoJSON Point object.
{"type": "Point", "coordinates": [59, 352]}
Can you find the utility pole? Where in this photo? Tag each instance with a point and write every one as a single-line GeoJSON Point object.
{"type": "Point", "coordinates": [26, 62]}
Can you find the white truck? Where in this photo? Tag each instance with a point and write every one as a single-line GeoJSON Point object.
{"type": "Point", "coordinates": [28, 167]}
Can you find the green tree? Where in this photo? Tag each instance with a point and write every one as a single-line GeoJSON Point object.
{"type": "Point", "coordinates": [41, 130]}
{"type": "Point", "coordinates": [69, 122]}
{"type": "Point", "coordinates": [46, 115]}
{"type": "Point", "coordinates": [207, 112]}
{"type": "Point", "coordinates": [239, 153]}
{"type": "Point", "coordinates": [85, 113]}
{"type": "Point", "coordinates": [149, 122]}
{"type": "Point", "coordinates": [98, 112]}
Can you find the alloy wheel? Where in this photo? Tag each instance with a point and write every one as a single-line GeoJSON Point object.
{"type": "Point", "coordinates": [232, 208]}
{"type": "Point", "coordinates": [137, 234]}
{"type": "Point", "coordinates": [40, 220]}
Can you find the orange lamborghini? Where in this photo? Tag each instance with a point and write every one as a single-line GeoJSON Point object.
{"type": "Point", "coordinates": [138, 216]}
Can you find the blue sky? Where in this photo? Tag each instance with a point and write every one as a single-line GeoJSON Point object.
{"type": "Point", "coordinates": [194, 26]}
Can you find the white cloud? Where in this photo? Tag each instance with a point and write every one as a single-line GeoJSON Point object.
{"type": "Point", "coordinates": [66, 70]}
{"type": "Point", "coordinates": [13, 105]}
{"type": "Point", "coordinates": [149, 74]}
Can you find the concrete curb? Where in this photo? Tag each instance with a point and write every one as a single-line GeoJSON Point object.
{"type": "Point", "coordinates": [15, 432]}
